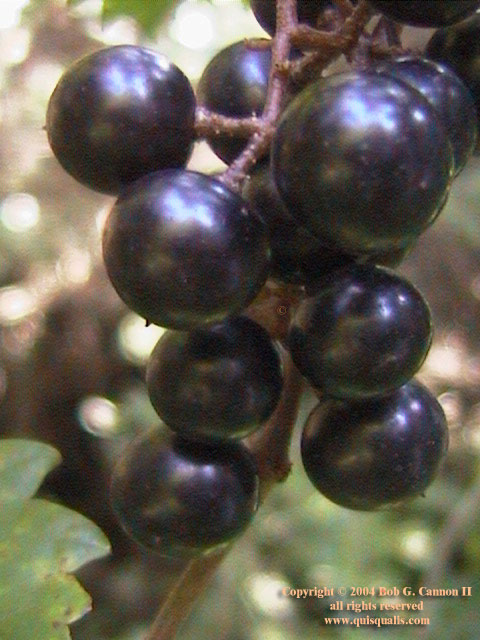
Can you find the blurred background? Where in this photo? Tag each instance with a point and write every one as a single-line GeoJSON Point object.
{"type": "Point", "coordinates": [72, 362]}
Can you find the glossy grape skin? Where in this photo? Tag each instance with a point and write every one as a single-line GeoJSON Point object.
{"type": "Point", "coordinates": [459, 48]}
{"type": "Point", "coordinates": [182, 498]}
{"type": "Point", "coordinates": [182, 250]}
{"type": "Point", "coordinates": [118, 114]}
{"type": "Point", "coordinates": [365, 332]}
{"type": "Point", "coordinates": [297, 256]}
{"type": "Point", "coordinates": [447, 94]}
{"type": "Point", "coordinates": [363, 161]}
{"type": "Point", "coordinates": [219, 382]}
{"type": "Point", "coordinates": [234, 84]}
{"type": "Point", "coordinates": [426, 13]}
{"type": "Point", "coordinates": [365, 455]}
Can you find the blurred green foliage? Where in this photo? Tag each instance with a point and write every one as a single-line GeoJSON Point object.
{"type": "Point", "coordinates": [42, 544]}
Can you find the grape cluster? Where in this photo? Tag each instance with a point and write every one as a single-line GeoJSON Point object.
{"type": "Point", "coordinates": [359, 164]}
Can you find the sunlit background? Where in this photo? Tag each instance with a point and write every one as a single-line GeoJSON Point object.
{"type": "Point", "coordinates": [72, 359]}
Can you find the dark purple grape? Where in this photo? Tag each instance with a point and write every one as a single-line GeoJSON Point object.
{"type": "Point", "coordinates": [364, 455]}
{"type": "Point", "coordinates": [459, 48]}
{"type": "Point", "coordinates": [118, 114]}
{"type": "Point", "coordinates": [363, 161]}
{"type": "Point", "coordinates": [308, 12]}
{"type": "Point", "coordinates": [219, 382]}
{"type": "Point", "coordinates": [426, 13]}
{"type": "Point", "coordinates": [181, 498]}
{"type": "Point", "coordinates": [182, 250]}
{"type": "Point", "coordinates": [297, 256]}
{"type": "Point", "coordinates": [447, 94]}
{"type": "Point", "coordinates": [234, 84]}
{"type": "Point", "coordinates": [365, 332]}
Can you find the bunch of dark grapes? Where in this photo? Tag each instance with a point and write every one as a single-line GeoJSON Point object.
{"type": "Point", "coordinates": [351, 170]}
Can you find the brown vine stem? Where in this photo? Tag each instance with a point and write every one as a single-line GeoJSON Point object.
{"type": "Point", "coordinates": [326, 46]}
{"type": "Point", "coordinates": [270, 449]}
{"type": "Point", "coordinates": [308, 38]}
{"type": "Point", "coordinates": [184, 595]}
{"type": "Point", "coordinates": [260, 141]}
{"type": "Point", "coordinates": [208, 122]}
{"type": "Point", "coordinates": [271, 445]}
{"type": "Point", "coordinates": [345, 39]}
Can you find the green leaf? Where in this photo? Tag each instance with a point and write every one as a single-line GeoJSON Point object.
{"type": "Point", "coordinates": [41, 543]}
{"type": "Point", "coordinates": [148, 13]}
{"type": "Point", "coordinates": [23, 466]}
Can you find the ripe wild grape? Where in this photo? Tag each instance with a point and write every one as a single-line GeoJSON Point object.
{"type": "Point", "coordinates": [426, 13]}
{"type": "Point", "coordinates": [218, 382]}
{"type": "Point", "coordinates": [297, 255]}
{"type": "Point", "coordinates": [368, 454]}
{"type": "Point", "coordinates": [179, 498]}
{"type": "Point", "coordinates": [363, 161]}
{"type": "Point", "coordinates": [450, 97]}
{"type": "Point", "coordinates": [365, 332]}
{"type": "Point", "coordinates": [458, 47]}
{"type": "Point", "coordinates": [182, 250]}
{"type": "Point", "coordinates": [234, 83]}
{"type": "Point", "coordinates": [118, 114]}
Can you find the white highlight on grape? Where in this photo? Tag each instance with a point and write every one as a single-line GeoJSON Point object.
{"type": "Point", "coordinates": [418, 115]}
{"type": "Point", "coordinates": [19, 212]}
